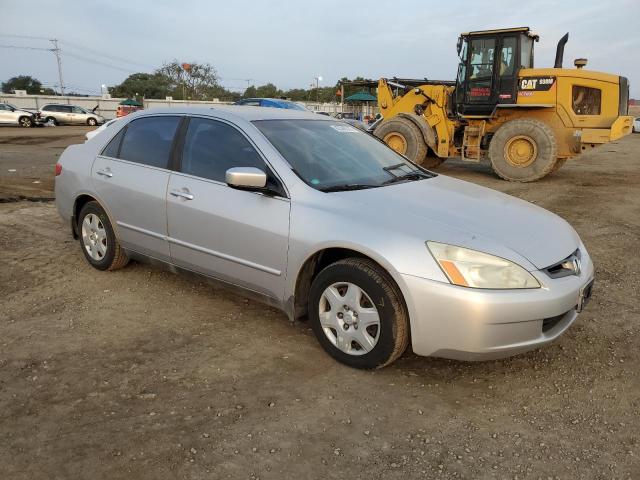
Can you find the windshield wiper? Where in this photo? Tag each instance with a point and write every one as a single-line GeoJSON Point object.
{"type": "Point", "coordinates": [348, 186]}
{"type": "Point", "coordinates": [407, 177]}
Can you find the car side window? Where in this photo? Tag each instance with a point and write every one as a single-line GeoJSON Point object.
{"type": "Point", "coordinates": [3, 107]}
{"type": "Point", "coordinates": [77, 110]}
{"type": "Point", "coordinates": [148, 141]}
{"type": "Point", "coordinates": [212, 147]}
{"type": "Point", "coordinates": [64, 109]}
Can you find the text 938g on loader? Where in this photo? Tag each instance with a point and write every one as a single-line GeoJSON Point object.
{"type": "Point", "coordinates": [526, 121]}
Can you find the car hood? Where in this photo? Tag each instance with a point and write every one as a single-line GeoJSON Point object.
{"type": "Point", "coordinates": [453, 211]}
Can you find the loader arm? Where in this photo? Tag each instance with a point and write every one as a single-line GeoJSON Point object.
{"type": "Point", "coordinates": [428, 104]}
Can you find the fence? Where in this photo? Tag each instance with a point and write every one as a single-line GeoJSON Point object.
{"type": "Point", "coordinates": [107, 106]}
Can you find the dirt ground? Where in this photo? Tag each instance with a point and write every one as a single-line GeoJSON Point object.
{"type": "Point", "coordinates": [141, 374]}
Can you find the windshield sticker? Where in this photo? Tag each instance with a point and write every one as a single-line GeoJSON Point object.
{"type": "Point", "coordinates": [344, 128]}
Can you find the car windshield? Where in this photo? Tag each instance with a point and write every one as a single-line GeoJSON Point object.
{"type": "Point", "coordinates": [333, 156]}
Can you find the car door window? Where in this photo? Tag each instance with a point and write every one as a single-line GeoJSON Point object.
{"type": "Point", "coordinates": [148, 141]}
{"type": "Point", "coordinates": [212, 147]}
{"type": "Point", "coordinates": [77, 110]}
{"type": "Point", "coordinates": [3, 107]}
{"type": "Point", "coordinates": [64, 109]}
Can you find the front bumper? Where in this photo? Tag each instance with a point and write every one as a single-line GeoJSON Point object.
{"type": "Point", "coordinates": [470, 324]}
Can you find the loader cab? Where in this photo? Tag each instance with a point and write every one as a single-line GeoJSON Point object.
{"type": "Point", "coordinates": [490, 61]}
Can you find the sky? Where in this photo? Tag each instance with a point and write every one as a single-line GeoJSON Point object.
{"type": "Point", "coordinates": [290, 42]}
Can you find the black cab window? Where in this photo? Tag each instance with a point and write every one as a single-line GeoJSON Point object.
{"type": "Point", "coordinates": [507, 56]}
{"type": "Point", "coordinates": [212, 147]}
{"type": "Point", "coordinates": [148, 140]}
{"type": "Point", "coordinates": [482, 58]}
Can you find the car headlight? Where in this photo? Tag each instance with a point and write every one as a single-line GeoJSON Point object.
{"type": "Point", "coordinates": [470, 268]}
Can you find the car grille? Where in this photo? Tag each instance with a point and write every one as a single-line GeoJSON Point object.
{"type": "Point", "coordinates": [568, 266]}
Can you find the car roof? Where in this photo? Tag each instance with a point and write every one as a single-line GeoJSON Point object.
{"type": "Point", "coordinates": [237, 112]}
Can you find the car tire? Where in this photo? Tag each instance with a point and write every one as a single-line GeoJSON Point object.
{"type": "Point", "coordinates": [373, 314]}
{"type": "Point", "coordinates": [92, 122]}
{"type": "Point", "coordinates": [25, 122]}
{"type": "Point", "coordinates": [97, 239]}
{"type": "Point", "coordinates": [51, 120]}
{"type": "Point", "coordinates": [523, 150]}
{"type": "Point", "coordinates": [403, 136]}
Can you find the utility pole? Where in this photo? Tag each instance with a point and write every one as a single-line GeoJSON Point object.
{"type": "Point", "coordinates": [56, 51]}
{"type": "Point", "coordinates": [318, 80]}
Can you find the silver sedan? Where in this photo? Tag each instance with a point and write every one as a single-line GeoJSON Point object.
{"type": "Point", "coordinates": [323, 221]}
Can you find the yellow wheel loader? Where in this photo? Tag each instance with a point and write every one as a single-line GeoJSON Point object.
{"type": "Point", "coordinates": [526, 121]}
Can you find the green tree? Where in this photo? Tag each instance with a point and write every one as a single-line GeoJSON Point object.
{"type": "Point", "coordinates": [297, 94]}
{"type": "Point", "coordinates": [250, 92]}
{"type": "Point", "coordinates": [147, 85]}
{"type": "Point", "coordinates": [189, 80]}
{"type": "Point", "coordinates": [32, 85]}
{"type": "Point", "coordinates": [263, 91]}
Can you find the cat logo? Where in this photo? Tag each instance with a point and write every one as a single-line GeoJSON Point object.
{"type": "Point", "coordinates": [537, 83]}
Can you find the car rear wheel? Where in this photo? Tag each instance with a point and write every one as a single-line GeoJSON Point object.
{"type": "Point", "coordinates": [358, 315]}
{"type": "Point", "coordinates": [25, 122]}
{"type": "Point", "coordinates": [51, 120]}
{"type": "Point", "coordinates": [523, 150]}
{"type": "Point", "coordinates": [99, 244]}
{"type": "Point", "coordinates": [92, 122]}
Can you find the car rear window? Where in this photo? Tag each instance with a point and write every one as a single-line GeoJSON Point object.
{"type": "Point", "coordinates": [148, 140]}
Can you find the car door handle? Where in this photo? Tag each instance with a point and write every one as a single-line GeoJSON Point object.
{"type": "Point", "coordinates": [104, 173]}
{"type": "Point", "coordinates": [180, 193]}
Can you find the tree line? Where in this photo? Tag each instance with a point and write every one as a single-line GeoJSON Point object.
{"type": "Point", "coordinates": [193, 81]}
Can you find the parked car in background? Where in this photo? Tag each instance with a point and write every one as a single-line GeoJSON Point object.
{"type": "Point", "coordinates": [345, 116]}
{"type": "Point", "coordinates": [10, 115]}
{"type": "Point", "coordinates": [62, 114]}
{"type": "Point", "coordinates": [323, 221]}
{"type": "Point", "coordinates": [636, 125]}
{"type": "Point", "coordinates": [271, 102]}
{"type": "Point", "coordinates": [92, 133]}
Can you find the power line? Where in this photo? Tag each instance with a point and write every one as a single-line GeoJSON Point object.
{"type": "Point", "coordinates": [23, 36]}
{"type": "Point", "coordinates": [26, 48]}
{"type": "Point", "coordinates": [97, 62]}
{"type": "Point", "coordinates": [104, 55]}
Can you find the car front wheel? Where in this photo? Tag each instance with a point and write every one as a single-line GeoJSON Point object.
{"type": "Point", "coordinates": [92, 122]}
{"type": "Point", "coordinates": [25, 122]}
{"type": "Point", "coordinates": [99, 244]}
{"type": "Point", "coordinates": [358, 315]}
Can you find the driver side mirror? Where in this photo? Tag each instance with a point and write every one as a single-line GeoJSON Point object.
{"type": "Point", "coordinates": [249, 178]}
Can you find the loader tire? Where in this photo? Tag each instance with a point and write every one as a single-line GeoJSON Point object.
{"type": "Point", "coordinates": [523, 150]}
{"type": "Point", "coordinates": [403, 136]}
